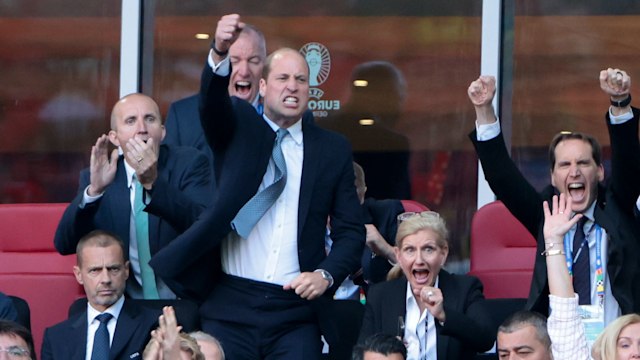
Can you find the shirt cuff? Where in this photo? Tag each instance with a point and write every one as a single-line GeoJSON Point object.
{"type": "Point", "coordinates": [486, 132]}
{"type": "Point", "coordinates": [88, 199]}
{"type": "Point", "coordinates": [620, 119]}
{"type": "Point", "coordinates": [222, 68]}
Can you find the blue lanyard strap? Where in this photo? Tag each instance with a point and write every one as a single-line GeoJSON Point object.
{"type": "Point", "coordinates": [570, 259]}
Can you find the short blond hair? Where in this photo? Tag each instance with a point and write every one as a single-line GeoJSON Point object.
{"type": "Point", "coordinates": [426, 220]}
{"type": "Point", "coordinates": [605, 346]}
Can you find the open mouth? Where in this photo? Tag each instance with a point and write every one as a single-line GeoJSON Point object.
{"type": "Point", "coordinates": [243, 88]}
{"type": "Point", "coordinates": [577, 191]}
{"type": "Point", "coordinates": [421, 276]}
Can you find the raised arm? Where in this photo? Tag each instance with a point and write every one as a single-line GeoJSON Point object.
{"type": "Point", "coordinates": [623, 137]}
{"type": "Point", "coordinates": [504, 178]}
{"type": "Point", "coordinates": [565, 328]}
{"type": "Point", "coordinates": [216, 111]}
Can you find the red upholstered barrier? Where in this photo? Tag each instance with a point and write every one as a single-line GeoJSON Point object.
{"type": "Point", "coordinates": [31, 268]}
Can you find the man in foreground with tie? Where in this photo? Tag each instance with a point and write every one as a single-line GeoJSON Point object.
{"type": "Point", "coordinates": [279, 180]}
{"type": "Point", "coordinates": [147, 196]}
{"type": "Point", "coordinates": [601, 251]}
{"type": "Point", "coordinates": [111, 327]}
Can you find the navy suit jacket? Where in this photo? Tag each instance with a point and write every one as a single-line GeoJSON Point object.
{"type": "Point", "coordinates": [613, 211]}
{"type": "Point", "coordinates": [180, 193]}
{"type": "Point", "coordinates": [383, 214]}
{"type": "Point", "coordinates": [68, 339]}
{"type": "Point", "coordinates": [467, 329]}
{"type": "Point", "coordinates": [242, 143]}
{"type": "Point", "coordinates": [184, 129]}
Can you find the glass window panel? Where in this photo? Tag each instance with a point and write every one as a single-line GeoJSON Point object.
{"type": "Point", "coordinates": [559, 50]}
{"type": "Point", "coordinates": [60, 66]}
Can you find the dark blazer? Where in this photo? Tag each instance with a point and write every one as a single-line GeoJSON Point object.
{"type": "Point", "coordinates": [383, 214]}
{"type": "Point", "coordinates": [242, 143]}
{"type": "Point", "coordinates": [613, 211]}
{"type": "Point", "coordinates": [179, 195]}
{"type": "Point", "coordinates": [68, 339]}
{"type": "Point", "coordinates": [184, 129]}
{"type": "Point", "coordinates": [466, 331]}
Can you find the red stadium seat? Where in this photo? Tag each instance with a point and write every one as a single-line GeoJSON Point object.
{"type": "Point", "coordinates": [413, 206]}
{"type": "Point", "coordinates": [502, 252]}
{"type": "Point", "coordinates": [31, 268]}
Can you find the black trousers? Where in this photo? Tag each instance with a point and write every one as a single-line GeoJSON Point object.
{"type": "Point", "coordinates": [256, 320]}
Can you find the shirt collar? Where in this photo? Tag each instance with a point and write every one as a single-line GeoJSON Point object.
{"type": "Point", "coordinates": [588, 213]}
{"type": "Point", "coordinates": [256, 101]}
{"type": "Point", "coordinates": [130, 172]}
{"type": "Point", "coordinates": [114, 310]}
{"type": "Point", "coordinates": [295, 130]}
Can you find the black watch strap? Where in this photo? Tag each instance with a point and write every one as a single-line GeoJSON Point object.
{"type": "Point", "coordinates": [622, 103]}
{"type": "Point", "coordinates": [215, 50]}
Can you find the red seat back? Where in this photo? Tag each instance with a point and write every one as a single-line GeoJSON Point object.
{"type": "Point", "coordinates": [31, 268]}
{"type": "Point", "coordinates": [502, 252]}
{"type": "Point", "coordinates": [413, 206]}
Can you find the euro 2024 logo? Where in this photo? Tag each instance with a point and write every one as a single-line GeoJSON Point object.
{"type": "Point", "coordinates": [319, 61]}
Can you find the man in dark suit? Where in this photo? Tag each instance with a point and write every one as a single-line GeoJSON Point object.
{"type": "Point", "coordinates": [247, 57]}
{"type": "Point", "coordinates": [576, 169]}
{"type": "Point", "coordinates": [175, 188]}
{"type": "Point", "coordinates": [276, 271]}
{"type": "Point", "coordinates": [111, 327]}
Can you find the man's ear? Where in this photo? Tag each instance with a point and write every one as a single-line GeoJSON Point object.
{"type": "Point", "coordinates": [78, 273]}
{"type": "Point", "coordinates": [600, 173]}
{"type": "Point", "coordinates": [113, 138]}
{"type": "Point", "coordinates": [263, 87]}
{"type": "Point", "coordinates": [127, 265]}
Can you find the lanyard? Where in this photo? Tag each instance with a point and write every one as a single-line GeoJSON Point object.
{"type": "Point", "coordinates": [570, 259]}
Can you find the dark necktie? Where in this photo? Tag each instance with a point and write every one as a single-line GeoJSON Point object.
{"type": "Point", "coordinates": [101, 339]}
{"type": "Point", "coordinates": [258, 205]}
{"type": "Point", "coordinates": [581, 269]}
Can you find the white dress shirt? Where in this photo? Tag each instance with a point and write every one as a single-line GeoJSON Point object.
{"type": "Point", "coordinates": [415, 336]}
{"type": "Point", "coordinates": [270, 253]}
{"type": "Point", "coordinates": [93, 324]}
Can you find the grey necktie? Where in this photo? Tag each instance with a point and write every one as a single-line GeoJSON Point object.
{"type": "Point", "coordinates": [257, 206]}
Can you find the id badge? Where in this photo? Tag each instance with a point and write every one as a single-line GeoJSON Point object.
{"type": "Point", "coordinates": [593, 319]}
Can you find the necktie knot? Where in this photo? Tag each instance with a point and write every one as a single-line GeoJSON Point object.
{"type": "Point", "coordinates": [104, 318]}
{"type": "Point", "coordinates": [280, 134]}
{"type": "Point", "coordinates": [581, 223]}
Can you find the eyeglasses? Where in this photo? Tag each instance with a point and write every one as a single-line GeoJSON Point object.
{"type": "Point", "coordinates": [16, 352]}
{"type": "Point", "coordinates": [411, 214]}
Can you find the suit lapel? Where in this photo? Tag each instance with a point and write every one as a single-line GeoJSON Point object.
{"type": "Point", "coordinates": [79, 332]}
{"type": "Point", "coordinates": [397, 305]}
{"type": "Point", "coordinates": [313, 148]}
{"type": "Point", "coordinates": [442, 342]}
{"type": "Point", "coordinates": [125, 329]}
{"type": "Point", "coordinates": [120, 210]}
{"type": "Point", "coordinates": [164, 172]}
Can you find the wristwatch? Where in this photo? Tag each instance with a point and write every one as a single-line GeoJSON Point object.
{"type": "Point", "coordinates": [325, 275]}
